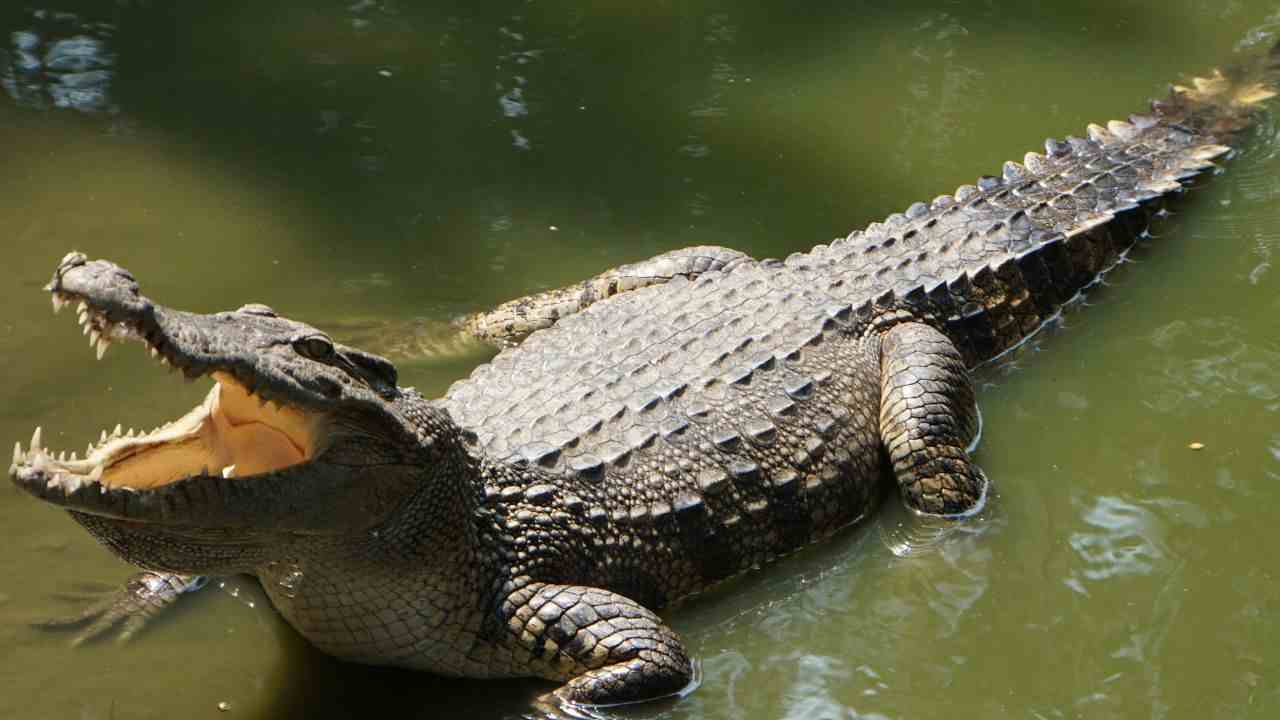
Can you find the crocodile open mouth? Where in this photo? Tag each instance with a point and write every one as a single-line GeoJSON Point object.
{"type": "Point", "coordinates": [239, 430]}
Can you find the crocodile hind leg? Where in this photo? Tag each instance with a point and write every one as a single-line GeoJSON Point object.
{"type": "Point", "coordinates": [428, 339]}
{"type": "Point", "coordinates": [607, 649]}
{"type": "Point", "coordinates": [144, 596]}
{"type": "Point", "coordinates": [928, 417]}
{"type": "Point", "coordinates": [513, 320]}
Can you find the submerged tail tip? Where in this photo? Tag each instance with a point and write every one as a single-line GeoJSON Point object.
{"type": "Point", "coordinates": [1219, 90]}
{"type": "Point", "coordinates": [1227, 100]}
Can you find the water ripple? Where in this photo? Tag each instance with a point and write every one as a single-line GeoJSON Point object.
{"type": "Point", "coordinates": [1126, 540]}
{"type": "Point", "coordinates": [809, 694]}
{"type": "Point", "coordinates": [1203, 362]}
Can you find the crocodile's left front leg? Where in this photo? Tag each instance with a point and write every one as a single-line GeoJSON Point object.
{"type": "Point", "coordinates": [928, 418]}
{"type": "Point", "coordinates": [607, 648]}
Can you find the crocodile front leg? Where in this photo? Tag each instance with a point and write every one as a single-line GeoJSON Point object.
{"type": "Point", "coordinates": [928, 417]}
{"type": "Point", "coordinates": [513, 320]}
{"type": "Point", "coordinates": [606, 648]}
{"type": "Point", "coordinates": [144, 596]}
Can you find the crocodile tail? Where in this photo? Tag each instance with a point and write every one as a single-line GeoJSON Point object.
{"type": "Point", "coordinates": [1225, 102]}
{"type": "Point", "coordinates": [1031, 240]}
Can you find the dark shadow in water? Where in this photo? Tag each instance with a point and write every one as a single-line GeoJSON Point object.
{"type": "Point", "coordinates": [319, 686]}
{"type": "Point", "coordinates": [315, 685]}
{"type": "Point", "coordinates": [378, 113]}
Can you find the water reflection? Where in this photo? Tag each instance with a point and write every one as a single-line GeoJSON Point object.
{"type": "Point", "coordinates": [943, 88]}
{"type": "Point", "coordinates": [910, 535]}
{"type": "Point", "coordinates": [60, 61]}
{"type": "Point", "coordinates": [810, 695]}
{"type": "Point", "coordinates": [515, 67]}
{"type": "Point", "coordinates": [1127, 540]}
{"type": "Point", "coordinates": [1213, 362]}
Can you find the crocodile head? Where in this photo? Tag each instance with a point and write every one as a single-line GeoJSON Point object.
{"type": "Point", "coordinates": [299, 436]}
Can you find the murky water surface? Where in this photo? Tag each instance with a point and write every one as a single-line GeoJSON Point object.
{"type": "Point", "coordinates": [377, 168]}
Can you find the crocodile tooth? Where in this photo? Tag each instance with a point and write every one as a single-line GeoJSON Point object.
{"type": "Point", "coordinates": [88, 450]}
{"type": "Point", "coordinates": [103, 344]}
{"type": "Point", "coordinates": [35, 440]}
{"type": "Point", "coordinates": [18, 457]}
{"type": "Point", "coordinates": [62, 456]}
{"type": "Point", "coordinates": [75, 457]}
{"type": "Point", "coordinates": [82, 307]}
{"type": "Point", "coordinates": [228, 471]}
{"type": "Point", "coordinates": [102, 439]}
{"type": "Point", "coordinates": [86, 328]}
{"type": "Point", "coordinates": [117, 432]}
{"type": "Point", "coordinates": [57, 304]}
{"type": "Point", "coordinates": [153, 350]}
{"type": "Point", "coordinates": [129, 434]}
{"type": "Point", "coordinates": [96, 474]}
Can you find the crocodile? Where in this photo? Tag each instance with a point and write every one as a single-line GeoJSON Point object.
{"type": "Point", "coordinates": [647, 433]}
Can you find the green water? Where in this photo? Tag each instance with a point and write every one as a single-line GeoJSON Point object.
{"type": "Point", "coordinates": [354, 162]}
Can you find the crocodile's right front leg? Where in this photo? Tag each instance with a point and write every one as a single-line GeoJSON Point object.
{"type": "Point", "coordinates": [607, 649]}
{"type": "Point", "coordinates": [144, 596]}
{"type": "Point", "coordinates": [513, 320]}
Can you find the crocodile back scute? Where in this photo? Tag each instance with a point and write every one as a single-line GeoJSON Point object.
{"type": "Point", "coordinates": [600, 382]}
{"type": "Point", "coordinates": [550, 398]}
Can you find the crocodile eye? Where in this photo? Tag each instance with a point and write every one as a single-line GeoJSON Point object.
{"type": "Point", "coordinates": [316, 347]}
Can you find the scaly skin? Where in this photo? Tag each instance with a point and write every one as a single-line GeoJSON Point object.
{"type": "Point", "coordinates": [512, 321]}
{"type": "Point", "coordinates": [683, 420]}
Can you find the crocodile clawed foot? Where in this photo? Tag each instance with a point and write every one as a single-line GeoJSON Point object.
{"type": "Point", "coordinates": [144, 596]}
